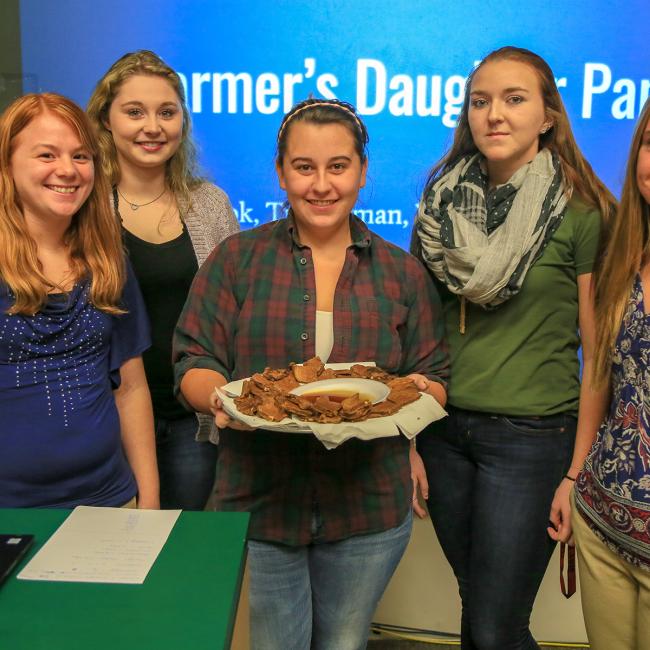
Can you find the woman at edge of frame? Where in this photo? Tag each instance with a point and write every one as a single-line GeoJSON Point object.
{"type": "Point", "coordinates": [509, 227]}
{"type": "Point", "coordinates": [612, 492]}
{"type": "Point", "coordinates": [327, 527]}
{"type": "Point", "coordinates": [171, 221]}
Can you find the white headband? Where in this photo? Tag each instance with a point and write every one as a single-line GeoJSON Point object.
{"type": "Point", "coordinates": [331, 105]}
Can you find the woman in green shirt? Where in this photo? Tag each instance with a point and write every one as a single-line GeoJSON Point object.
{"type": "Point", "coordinates": [509, 226]}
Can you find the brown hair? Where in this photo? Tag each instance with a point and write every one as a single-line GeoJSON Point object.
{"type": "Point", "coordinates": [324, 111]}
{"type": "Point", "coordinates": [93, 237]}
{"type": "Point", "coordinates": [559, 139]}
{"type": "Point", "coordinates": [625, 251]}
{"type": "Point", "coordinates": [181, 169]}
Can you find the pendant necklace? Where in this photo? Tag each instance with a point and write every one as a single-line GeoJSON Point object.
{"type": "Point", "coordinates": [135, 206]}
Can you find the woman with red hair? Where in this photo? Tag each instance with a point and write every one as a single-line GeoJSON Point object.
{"type": "Point", "coordinates": [76, 413]}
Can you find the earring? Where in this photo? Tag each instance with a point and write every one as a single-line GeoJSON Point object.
{"type": "Point", "coordinates": [545, 128]}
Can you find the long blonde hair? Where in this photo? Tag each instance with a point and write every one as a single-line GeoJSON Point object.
{"type": "Point", "coordinates": [93, 237]}
{"type": "Point", "coordinates": [181, 171]}
{"type": "Point", "coordinates": [625, 250]}
{"type": "Point", "coordinates": [578, 174]}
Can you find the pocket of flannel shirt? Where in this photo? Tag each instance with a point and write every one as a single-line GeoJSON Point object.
{"type": "Point", "coordinates": [380, 323]}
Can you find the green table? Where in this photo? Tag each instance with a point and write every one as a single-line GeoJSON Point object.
{"type": "Point", "coordinates": [187, 602]}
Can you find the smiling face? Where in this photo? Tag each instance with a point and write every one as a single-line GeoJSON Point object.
{"type": "Point", "coordinates": [506, 116]}
{"type": "Point", "coordinates": [52, 170]}
{"type": "Point", "coordinates": [322, 174]}
{"type": "Point", "coordinates": [643, 165]}
{"type": "Point", "coordinates": [146, 121]}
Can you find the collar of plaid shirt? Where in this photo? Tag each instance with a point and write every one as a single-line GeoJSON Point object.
{"type": "Point", "coordinates": [359, 232]}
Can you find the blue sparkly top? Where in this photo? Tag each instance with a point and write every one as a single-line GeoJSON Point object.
{"type": "Point", "coordinates": [60, 442]}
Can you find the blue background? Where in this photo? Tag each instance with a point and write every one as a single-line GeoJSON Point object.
{"type": "Point", "coordinates": [67, 45]}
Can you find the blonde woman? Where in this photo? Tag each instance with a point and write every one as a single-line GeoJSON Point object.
{"type": "Point", "coordinates": [509, 227]}
{"type": "Point", "coordinates": [171, 221]}
{"type": "Point", "coordinates": [612, 493]}
{"type": "Point", "coordinates": [76, 425]}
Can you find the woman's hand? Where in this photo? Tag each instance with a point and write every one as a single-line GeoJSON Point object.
{"type": "Point", "coordinates": [221, 418]}
{"type": "Point", "coordinates": [133, 404]}
{"type": "Point", "coordinates": [560, 515]}
{"type": "Point", "coordinates": [419, 479]}
{"type": "Point", "coordinates": [433, 388]}
{"type": "Point", "coordinates": [420, 381]}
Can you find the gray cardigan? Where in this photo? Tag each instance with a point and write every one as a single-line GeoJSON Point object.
{"type": "Point", "coordinates": [209, 219]}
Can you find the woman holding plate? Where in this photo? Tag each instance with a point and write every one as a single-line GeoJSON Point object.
{"type": "Point", "coordinates": [327, 527]}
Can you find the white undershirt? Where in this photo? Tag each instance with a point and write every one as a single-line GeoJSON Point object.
{"type": "Point", "coordinates": [324, 334]}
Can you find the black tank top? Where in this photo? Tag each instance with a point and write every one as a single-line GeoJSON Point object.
{"type": "Point", "coordinates": [165, 273]}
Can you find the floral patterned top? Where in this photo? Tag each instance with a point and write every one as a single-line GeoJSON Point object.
{"type": "Point", "coordinates": [613, 490]}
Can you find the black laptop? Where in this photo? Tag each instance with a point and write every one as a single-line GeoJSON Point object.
{"type": "Point", "coordinates": [12, 549]}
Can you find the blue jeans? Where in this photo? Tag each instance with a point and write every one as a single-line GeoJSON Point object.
{"type": "Point", "coordinates": [321, 596]}
{"type": "Point", "coordinates": [186, 467]}
{"type": "Point", "coordinates": [491, 482]}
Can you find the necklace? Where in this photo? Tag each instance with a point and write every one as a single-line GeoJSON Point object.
{"type": "Point", "coordinates": [135, 206]}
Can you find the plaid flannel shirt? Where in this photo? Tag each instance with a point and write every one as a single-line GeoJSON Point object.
{"type": "Point", "coordinates": [253, 305]}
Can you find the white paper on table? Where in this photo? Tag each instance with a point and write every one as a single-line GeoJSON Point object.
{"type": "Point", "coordinates": [116, 545]}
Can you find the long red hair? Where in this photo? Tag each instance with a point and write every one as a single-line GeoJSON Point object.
{"type": "Point", "coordinates": [93, 237]}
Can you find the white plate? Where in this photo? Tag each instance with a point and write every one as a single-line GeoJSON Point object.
{"type": "Point", "coordinates": [373, 390]}
{"type": "Point", "coordinates": [410, 420]}
{"type": "Point", "coordinates": [233, 389]}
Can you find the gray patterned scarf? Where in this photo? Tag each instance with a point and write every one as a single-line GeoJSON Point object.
{"type": "Point", "coordinates": [481, 242]}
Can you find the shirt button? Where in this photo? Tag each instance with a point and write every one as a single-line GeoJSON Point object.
{"type": "Point", "coordinates": [303, 260]}
{"type": "Point", "coordinates": [306, 297]}
{"type": "Point", "coordinates": [304, 336]}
